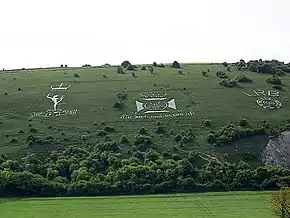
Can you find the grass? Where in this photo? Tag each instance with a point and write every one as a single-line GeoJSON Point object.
{"type": "Point", "coordinates": [219, 205]}
{"type": "Point", "coordinates": [94, 96]}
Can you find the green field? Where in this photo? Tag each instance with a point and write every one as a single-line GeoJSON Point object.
{"type": "Point", "coordinates": [93, 96]}
{"type": "Point", "coordinates": [231, 204]}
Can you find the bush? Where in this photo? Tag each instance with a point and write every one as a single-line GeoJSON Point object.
{"type": "Point", "coordinates": [160, 130]}
{"type": "Point", "coordinates": [229, 69]}
{"type": "Point", "coordinates": [154, 64]}
{"type": "Point", "coordinates": [120, 70]}
{"type": "Point", "coordinates": [277, 87]}
{"type": "Point", "coordinates": [207, 123]}
{"type": "Point", "coordinates": [19, 89]}
{"type": "Point", "coordinates": [134, 75]}
{"type": "Point", "coordinates": [143, 131]}
{"type": "Point", "coordinates": [151, 70]}
{"type": "Point", "coordinates": [76, 75]}
{"type": "Point", "coordinates": [131, 67]}
{"type": "Point", "coordinates": [142, 142]}
{"type": "Point", "coordinates": [5, 93]}
{"type": "Point", "coordinates": [242, 79]}
{"type": "Point", "coordinates": [275, 80]}
{"type": "Point", "coordinates": [248, 156]}
{"type": "Point", "coordinates": [228, 83]}
{"type": "Point", "coordinates": [124, 139]}
{"type": "Point", "coordinates": [109, 129]}
{"type": "Point", "coordinates": [143, 68]}
{"type": "Point", "coordinates": [243, 122]}
{"type": "Point", "coordinates": [175, 64]}
{"type": "Point", "coordinates": [178, 138]}
{"type": "Point", "coordinates": [118, 105]}
{"type": "Point", "coordinates": [33, 130]}
{"type": "Point", "coordinates": [211, 138]}
{"type": "Point", "coordinates": [225, 64]}
{"type": "Point", "coordinates": [86, 65]}
{"type": "Point", "coordinates": [12, 141]}
{"type": "Point", "coordinates": [125, 64]}
{"type": "Point", "coordinates": [122, 96]}
{"type": "Point", "coordinates": [21, 131]}
{"type": "Point", "coordinates": [61, 65]}
{"type": "Point", "coordinates": [101, 133]}
{"type": "Point", "coordinates": [222, 75]}
{"type": "Point", "coordinates": [161, 65]}
{"type": "Point", "coordinates": [204, 73]}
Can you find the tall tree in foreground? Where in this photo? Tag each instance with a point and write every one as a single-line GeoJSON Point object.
{"type": "Point", "coordinates": [280, 202]}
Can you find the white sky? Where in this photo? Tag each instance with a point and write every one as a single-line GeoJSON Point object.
{"type": "Point", "coordinates": [36, 33]}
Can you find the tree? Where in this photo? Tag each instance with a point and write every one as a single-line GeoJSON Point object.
{"type": "Point", "coordinates": [125, 64]}
{"type": "Point", "coordinates": [280, 202]}
{"type": "Point", "coordinates": [175, 64]}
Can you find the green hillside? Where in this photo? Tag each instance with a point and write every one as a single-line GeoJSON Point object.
{"type": "Point", "coordinates": [234, 204]}
{"type": "Point", "coordinates": [112, 130]}
{"type": "Point", "coordinates": [91, 97]}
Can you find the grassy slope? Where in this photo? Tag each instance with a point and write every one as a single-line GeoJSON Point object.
{"type": "Point", "coordinates": [232, 204]}
{"type": "Point", "coordinates": [94, 96]}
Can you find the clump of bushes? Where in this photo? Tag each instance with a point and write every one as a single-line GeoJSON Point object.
{"type": "Point", "coordinates": [21, 131]}
{"type": "Point", "coordinates": [5, 93]}
{"type": "Point", "coordinates": [161, 65]}
{"type": "Point", "coordinates": [225, 64]}
{"type": "Point", "coordinates": [131, 67]}
{"type": "Point", "coordinates": [175, 64]}
{"type": "Point", "coordinates": [101, 133]}
{"type": "Point", "coordinates": [275, 80]}
{"type": "Point", "coordinates": [33, 130]}
{"type": "Point", "coordinates": [120, 70]}
{"type": "Point", "coordinates": [76, 75]}
{"type": "Point", "coordinates": [222, 75]}
{"type": "Point", "coordinates": [86, 65]}
{"type": "Point", "coordinates": [207, 123]}
{"type": "Point", "coordinates": [178, 138]}
{"type": "Point", "coordinates": [134, 75]}
{"type": "Point", "coordinates": [122, 96]}
{"type": "Point", "coordinates": [154, 64]}
{"type": "Point", "coordinates": [109, 129]}
{"type": "Point", "coordinates": [12, 141]}
{"type": "Point", "coordinates": [228, 83]}
{"type": "Point", "coordinates": [230, 133]}
{"type": "Point", "coordinates": [143, 68]}
{"type": "Point", "coordinates": [19, 89]}
{"type": "Point", "coordinates": [125, 64]}
{"type": "Point", "coordinates": [118, 105]}
{"type": "Point", "coordinates": [142, 142]}
{"type": "Point", "coordinates": [143, 131]}
{"type": "Point", "coordinates": [124, 139]}
{"type": "Point", "coordinates": [160, 130]}
{"type": "Point", "coordinates": [277, 87]}
{"type": "Point", "coordinates": [204, 73]}
{"type": "Point", "coordinates": [243, 79]}
{"type": "Point", "coordinates": [243, 122]}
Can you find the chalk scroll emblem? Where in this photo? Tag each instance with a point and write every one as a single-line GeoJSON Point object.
{"type": "Point", "coordinates": [266, 98]}
{"type": "Point", "coordinates": [56, 101]}
{"type": "Point", "coordinates": [155, 105]}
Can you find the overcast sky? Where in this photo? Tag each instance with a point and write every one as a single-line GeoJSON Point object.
{"type": "Point", "coordinates": [40, 33]}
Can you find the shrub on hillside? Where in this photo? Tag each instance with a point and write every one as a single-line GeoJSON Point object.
{"type": "Point", "coordinates": [277, 87]}
{"type": "Point", "coordinates": [229, 69]}
{"type": "Point", "coordinates": [243, 122]}
{"type": "Point", "coordinates": [178, 138]}
{"type": "Point", "coordinates": [207, 122]}
{"type": "Point", "coordinates": [118, 105]}
{"type": "Point", "coordinates": [86, 65]}
{"type": "Point", "coordinates": [275, 80]}
{"type": "Point", "coordinates": [134, 75]}
{"type": "Point", "coordinates": [101, 133]}
{"type": "Point", "coordinates": [228, 83]}
{"type": "Point", "coordinates": [204, 73]}
{"type": "Point", "coordinates": [175, 64]}
{"type": "Point", "coordinates": [143, 68]}
{"type": "Point", "coordinates": [122, 96]}
{"type": "Point", "coordinates": [161, 65]}
{"type": "Point", "coordinates": [154, 64]}
{"type": "Point", "coordinates": [19, 89]}
{"type": "Point", "coordinates": [33, 130]}
{"type": "Point", "coordinates": [242, 79]}
{"type": "Point", "coordinates": [131, 67]}
{"type": "Point", "coordinates": [225, 64]}
{"type": "Point", "coordinates": [143, 131]}
{"type": "Point", "coordinates": [109, 129]}
{"type": "Point", "coordinates": [160, 130]}
{"type": "Point", "coordinates": [124, 139]}
{"type": "Point", "coordinates": [142, 142]}
{"type": "Point", "coordinates": [76, 75]}
{"type": "Point", "coordinates": [120, 70]}
{"type": "Point", "coordinates": [222, 75]}
{"type": "Point", "coordinates": [125, 64]}
{"type": "Point", "coordinates": [5, 93]}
